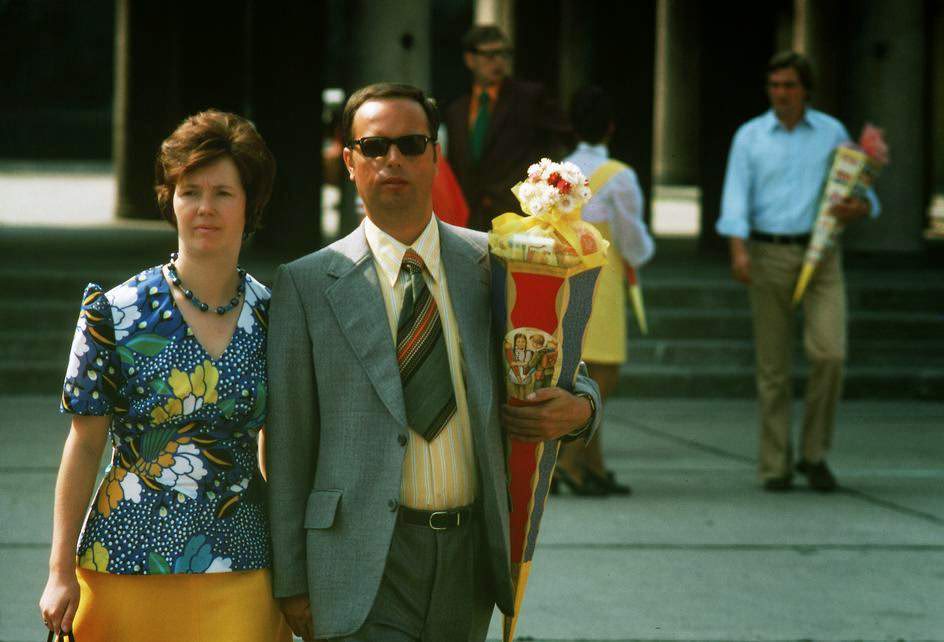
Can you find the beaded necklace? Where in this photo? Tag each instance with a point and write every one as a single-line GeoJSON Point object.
{"type": "Point", "coordinates": [200, 305]}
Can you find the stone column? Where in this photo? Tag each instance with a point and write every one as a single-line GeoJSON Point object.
{"type": "Point", "coordinates": [935, 125]}
{"type": "Point", "coordinates": [496, 12]}
{"type": "Point", "coordinates": [677, 109]}
{"type": "Point", "coordinates": [144, 102]}
{"type": "Point", "coordinates": [821, 35]}
{"type": "Point", "coordinates": [286, 46]}
{"type": "Point", "coordinates": [887, 75]}
{"type": "Point", "coordinates": [391, 43]}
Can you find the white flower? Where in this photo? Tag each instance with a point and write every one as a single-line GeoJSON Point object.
{"type": "Point", "coordinates": [247, 321]}
{"type": "Point", "coordinates": [571, 173]}
{"type": "Point", "coordinates": [534, 173]}
{"type": "Point", "coordinates": [187, 469]}
{"type": "Point", "coordinates": [79, 348]}
{"type": "Point", "coordinates": [131, 487]}
{"type": "Point", "coordinates": [123, 309]}
{"type": "Point", "coordinates": [220, 565]}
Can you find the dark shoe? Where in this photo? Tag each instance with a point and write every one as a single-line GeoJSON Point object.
{"type": "Point", "coordinates": [818, 475]}
{"type": "Point", "coordinates": [586, 487]}
{"type": "Point", "coordinates": [608, 482]}
{"type": "Point", "coordinates": [779, 484]}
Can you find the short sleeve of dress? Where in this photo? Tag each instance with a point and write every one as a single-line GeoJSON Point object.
{"type": "Point", "coordinates": [91, 383]}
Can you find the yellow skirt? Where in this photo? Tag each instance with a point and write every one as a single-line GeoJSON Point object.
{"type": "Point", "coordinates": [217, 607]}
{"type": "Point", "coordinates": [605, 338]}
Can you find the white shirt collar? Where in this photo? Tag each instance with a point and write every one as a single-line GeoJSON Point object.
{"type": "Point", "coordinates": [388, 251]}
{"type": "Point", "coordinates": [596, 150]}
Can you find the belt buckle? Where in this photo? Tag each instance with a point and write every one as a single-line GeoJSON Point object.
{"type": "Point", "coordinates": [434, 514]}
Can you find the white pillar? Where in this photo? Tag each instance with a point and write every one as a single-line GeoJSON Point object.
{"type": "Point", "coordinates": [497, 12]}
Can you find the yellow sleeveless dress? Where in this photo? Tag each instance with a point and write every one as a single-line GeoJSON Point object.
{"type": "Point", "coordinates": [605, 338]}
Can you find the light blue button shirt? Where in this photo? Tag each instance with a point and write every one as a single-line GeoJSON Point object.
{"type": "Point", "coordinates": [775, 176]}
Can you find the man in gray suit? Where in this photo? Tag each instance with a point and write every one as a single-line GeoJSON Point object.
{"type": "Point", "coordinates": [385, 442]}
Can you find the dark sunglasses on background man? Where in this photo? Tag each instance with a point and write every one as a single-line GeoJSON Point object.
{"type": "Point", "coordinates": [376, 146]}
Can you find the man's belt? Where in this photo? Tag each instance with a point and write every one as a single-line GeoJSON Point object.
{"type": "Point", "coordinates": [437, 520]}
{"type": "Point", "coordinates": [781, 239]}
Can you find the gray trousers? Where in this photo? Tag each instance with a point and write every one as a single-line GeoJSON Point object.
{"type": "Point", "coordinates": [435, 587]}
{"type": "Point", "coordinates": [774, 272]}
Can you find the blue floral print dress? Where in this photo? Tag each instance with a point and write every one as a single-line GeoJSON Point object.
{"type": "Point", "coordinates": [183, 493]}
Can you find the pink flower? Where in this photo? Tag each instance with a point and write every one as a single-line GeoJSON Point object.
{"type": "Point", "coordinates": [872, 142]}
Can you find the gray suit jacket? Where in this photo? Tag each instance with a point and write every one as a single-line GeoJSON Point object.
{"type": "Point", "coordinates": [336, 414]}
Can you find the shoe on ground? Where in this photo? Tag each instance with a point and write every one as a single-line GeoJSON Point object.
{"type": "Point", "coordinates": [818, 475]}
{"type": "Point", "coordinates": [779, 484]}
{"type": "Point", "coordinates": [609, 482]}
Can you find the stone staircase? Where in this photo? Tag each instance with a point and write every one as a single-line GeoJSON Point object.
{"type": "Point", "coordinates": [700, 336]}
{"type": "Point", "coordinates": [699, 344]}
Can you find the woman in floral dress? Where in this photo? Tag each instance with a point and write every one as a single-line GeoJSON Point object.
{"type": "Point", "coordinates": [170, 368]}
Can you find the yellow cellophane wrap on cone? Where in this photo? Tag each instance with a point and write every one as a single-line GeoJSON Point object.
{"type": "Point", "coordinates": [555, 239]}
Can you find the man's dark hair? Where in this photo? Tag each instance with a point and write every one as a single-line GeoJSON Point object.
{"type": "Point", "coordinates": [482, 34]}
{"type": "Point", "coordinates": [796, 61]}
{"type": "Point", "coordinates": [388, 91]}
{"type": "Point", "coordinates": [591, 113]}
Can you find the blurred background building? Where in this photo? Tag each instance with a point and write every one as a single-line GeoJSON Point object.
{"type": "Point", "coordinates": [90, 89]}
{"type": "Point", "coordinates": [104, 81]}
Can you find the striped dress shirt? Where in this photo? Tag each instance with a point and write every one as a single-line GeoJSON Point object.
{"type": "Point", "coordinates": [440, 474]}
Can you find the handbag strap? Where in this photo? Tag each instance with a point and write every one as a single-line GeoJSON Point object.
{"type": "Point", "coordinates": [62, 637]}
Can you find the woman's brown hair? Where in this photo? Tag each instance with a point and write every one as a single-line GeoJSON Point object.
{"type": "Point", "coordinates": [203, 139]}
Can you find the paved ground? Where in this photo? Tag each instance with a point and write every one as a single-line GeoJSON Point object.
{"type": "Point", "coordinates": [698, 553]}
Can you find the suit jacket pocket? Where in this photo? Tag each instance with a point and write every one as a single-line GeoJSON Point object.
{"type": "Point", "coordinates": [322, 508]}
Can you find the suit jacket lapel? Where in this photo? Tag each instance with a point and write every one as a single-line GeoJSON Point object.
{"type": "Point", "coordinates": [355, 299]}
{"type": "Point", "coordinates": [468, 279]}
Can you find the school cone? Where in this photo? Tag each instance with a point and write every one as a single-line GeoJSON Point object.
{"type": "Point", "coordinates": [635, 296]}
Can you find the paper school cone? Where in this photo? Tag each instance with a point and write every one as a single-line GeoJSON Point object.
{"type": "Point", "coordinates": [544, 269]}
{"type": "Point", "coordinates": [806, 273]}
{"type": "Point", "coordinates": [852, 172]}
{"type": "Point", "coordinates": [545, 312]}
{"type": "Point", "coordinates": [635, 296]}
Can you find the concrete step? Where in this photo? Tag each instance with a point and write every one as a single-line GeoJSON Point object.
{"type": "Point", "coordinates": [39, 376]}
{"type": "Point", "coordinates": [662, 293]}
{"type": "Point", "coordinates": [740, 352]}
{"type": "Point", "coordinates": [861, 382]}
{"type": "Point", "coordinates": [695, 323]}
{"type": "Point", "coordinates": [24, 345]}
{"type": "Point", "coordinates": [723, 293]}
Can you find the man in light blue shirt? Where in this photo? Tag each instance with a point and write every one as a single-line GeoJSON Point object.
{"type": "Point", "coordinates": [775, 172]}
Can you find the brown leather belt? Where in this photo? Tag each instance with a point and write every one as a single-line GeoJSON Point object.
{"type": "Point", "coordinates": [437, 520]}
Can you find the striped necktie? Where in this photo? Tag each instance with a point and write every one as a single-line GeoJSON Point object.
{"type": "Point", "coordinates": [421, 353]}
{"type": "Point", "coordinates": [480, 127]}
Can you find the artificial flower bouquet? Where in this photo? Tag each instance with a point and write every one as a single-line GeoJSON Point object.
{"type": "Point", "coordinates": [853, 171]}
{"type": "Point", "coordinates": [544, 266]}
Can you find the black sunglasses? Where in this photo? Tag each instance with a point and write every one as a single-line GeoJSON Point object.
{"type": "Point", "coordinates": [409, 145]}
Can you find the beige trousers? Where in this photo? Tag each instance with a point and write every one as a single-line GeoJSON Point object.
{"type": "Point", "coordinates": [774, 272]}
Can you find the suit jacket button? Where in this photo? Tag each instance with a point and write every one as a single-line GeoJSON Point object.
{"type": "Point", "coordinates": [401, 439]}
{"type": "Point", "coordinates": [393, 505]}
